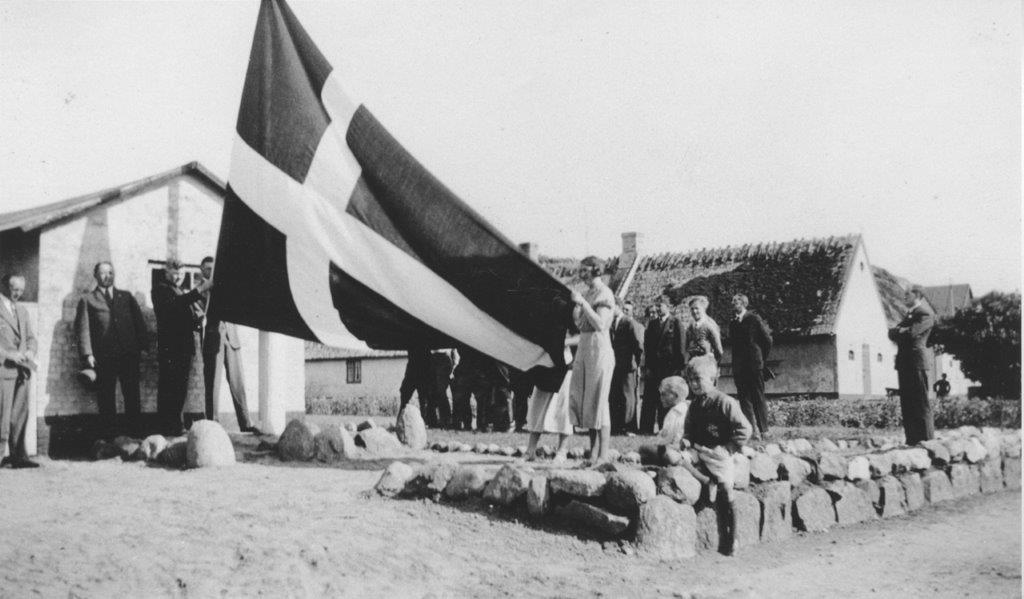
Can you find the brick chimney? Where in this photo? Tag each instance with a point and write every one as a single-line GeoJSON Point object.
{"type": "Point", "coordinates": [530, 249]}
{"type": "Point", "coordinates": [631, 242]}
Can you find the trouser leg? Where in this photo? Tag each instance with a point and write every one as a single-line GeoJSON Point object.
{"type": "Point", "coordinates": [209, 383]}
{"type": "Point", "coordinates": [463, 415]}
{"type": "Point", "coordinates": [499, 417]}
{"type": "Point", "coordinates": [236, 385]}
{"type": "Point", "coordinates": [19, 419]}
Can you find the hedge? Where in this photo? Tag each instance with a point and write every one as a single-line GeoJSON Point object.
{"type": "Point", "coordinates": [951, 412]}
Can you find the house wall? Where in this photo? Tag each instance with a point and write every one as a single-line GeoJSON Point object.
{"type": "Point", "coordinates": [806, 366]}
{"type": "Point", "coordinates": [19, 254]}
{"type": "Point", "coordinates": [380, 381]}
{"type": "Point", "coordinates": [182, 218]}
{"type": "Point", "coordinates": [861, 322]}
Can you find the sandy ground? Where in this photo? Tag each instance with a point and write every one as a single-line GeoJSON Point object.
{"type": "Point", "coordinates": [112, 529]}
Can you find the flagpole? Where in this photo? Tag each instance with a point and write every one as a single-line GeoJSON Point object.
{"type": "Point", "coordinates": [282, 383]}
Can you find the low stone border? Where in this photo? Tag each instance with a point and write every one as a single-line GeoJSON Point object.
{"type": "Point", "coordinates": [798, 486]}
{"type": "Point", "coordinates": [207, 444]}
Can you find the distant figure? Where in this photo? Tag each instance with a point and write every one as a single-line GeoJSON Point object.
{"type": "Point", "coordinates": [628, 344]}
{"type": "Point", "coordinates": [221, 339]}
{"type": "Point", "coordinates": [17, 361]}
{"type": "Point", "coordinates": [487, 380]}
{"type": "Point", "coordinates": [664, 356]}
{"type": "Point", "coordinates": [595, 361]}
{"type": "Point", "coordinates": [941, 387]}
{"type": "Point", "coordinates": [438, 412]}
{"type": "Point", "coordinates": [751, 343]}
{"type": "Point", "coordinates": [522, 390]}
{"type": "Point", "coordinates": [702, 336]}
{"type": "Point", "coordinates": [674, 392]}
{"type": "Point", "coordinates": [176, 326]}
{"type": "Point", "coordinates": [912, 359]}
{"type": "Point", "coordinates": [418, 379]}
{"type": "Point", "coordinates": [111, 335]}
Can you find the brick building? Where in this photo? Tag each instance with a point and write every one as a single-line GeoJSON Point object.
{"type": "Point", "coordinates": [135, 226]}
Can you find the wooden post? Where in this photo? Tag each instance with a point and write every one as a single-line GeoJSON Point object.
{"type": "Point", "coordinates": [282, 380]}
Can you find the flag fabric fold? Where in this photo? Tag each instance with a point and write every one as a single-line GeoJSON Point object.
{"type": "Point", "coordinates": [333, 232]}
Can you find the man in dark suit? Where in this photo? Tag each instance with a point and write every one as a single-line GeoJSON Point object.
{"type": "Point", "coordinates": [221, 339]}
{"type": "Point", "coordinates": [628, 345]}
{"type": "Point", "coordinates": [913, 357]}
{"type": "Point", "coordinates": [111, 335]}
{"type": "Point", "coordinates": [176, 327]}
{"type": "Point", "coordinates": [751, 342]}
{"type": "Point", "coordinates": [17, 361]}
{"type": "Point", "coordinates": [663, 357]}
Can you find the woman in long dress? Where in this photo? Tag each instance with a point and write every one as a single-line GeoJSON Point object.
{"type": "Point", "coordinates": [592, 370]}
{"type": "Point", "coordinates": [548, 411]}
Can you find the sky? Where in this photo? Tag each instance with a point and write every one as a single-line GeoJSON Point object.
{"type": "Point", "coordinates": [566, 123]}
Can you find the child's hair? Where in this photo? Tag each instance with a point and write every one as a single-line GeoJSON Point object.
{"type": "Point", "coordinates": [675, 384]}
{"type": "Point", "coordinates": [702, 366]}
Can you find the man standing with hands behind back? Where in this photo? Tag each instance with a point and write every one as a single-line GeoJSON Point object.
{"type": "Point", "coordinates": [111, 336]}
{"type": "Point", "coordinates": [751, 343]}
{"type": "Point", "coordinates": [912, 359]}
{"type": "Point", "coordinates": [17, 355]}
{"type": "Point", "coordinates": [663, 357]}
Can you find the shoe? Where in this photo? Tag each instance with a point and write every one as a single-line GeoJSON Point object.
{"type": "Point", "coordinates": [24, 463]}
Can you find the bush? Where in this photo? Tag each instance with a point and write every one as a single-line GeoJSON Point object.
{"type": "Point", "coordinates": [357, 406]}
{"type": "Point", "coordinates": [951, 412]}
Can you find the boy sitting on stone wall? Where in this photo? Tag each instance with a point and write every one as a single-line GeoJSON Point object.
{"type": "Point", "coordinates": [665, 451]}
{"type": "Point", "coordinates": [714, 430]}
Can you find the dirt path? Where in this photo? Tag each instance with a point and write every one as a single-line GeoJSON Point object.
{"type": "Point", "coordinates": [77, 529]}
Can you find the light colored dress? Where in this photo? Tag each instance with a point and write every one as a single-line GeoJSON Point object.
{"type": "Point", "coordinates": [548, 412]}
{"type": "Point", "coordinates": [592, 369]}
{"type": "Point", "coordinates": [703, 338]}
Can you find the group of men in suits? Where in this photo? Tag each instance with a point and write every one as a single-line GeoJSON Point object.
{"type": "Point", "coordinates": [112, 335]}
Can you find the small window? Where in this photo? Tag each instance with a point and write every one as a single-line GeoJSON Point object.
{"type": "Point", "coordinates": [353, 371]}
{"type": "Point", "coordinates": [850, 354]}
{"type": "Point", "coordinates": [879, 357]}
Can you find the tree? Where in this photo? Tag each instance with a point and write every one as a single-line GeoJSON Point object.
{"type": "Point", "coordinates": [986, 339]}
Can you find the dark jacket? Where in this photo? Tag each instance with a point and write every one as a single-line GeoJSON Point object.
{"type": "Point", "coordinates": [912, 351]}
{"type": "Point", "coordinates": [751, 342]}
{"type": "Point", "coordinates": [109, 328]}
{"type": "Point", "coordinates": [663, 346]}
{"type": "Point", "coordinates": [175, 320]}
{"type": "Point", "coordinates": [628, 344]}
{"type": "Point", "coordinates": [716, 419]}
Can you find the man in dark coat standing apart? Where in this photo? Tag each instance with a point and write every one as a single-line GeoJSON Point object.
{"type": "Point", "coordinates": [663, 357]}
{"type": "Point", "coordinates": [628, 344]}
{"type": "Point", "coordinates": [913, 357]}
{"type": "Point", "coordinates": [751, 343]}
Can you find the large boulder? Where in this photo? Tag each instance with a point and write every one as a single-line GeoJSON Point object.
{"type": "Point", "coordinates": [937, 451]}
{"type": "Point", "coordinates": [334, 443]}
{"type": "Point", "coordinates": [410, 428]}
{"type": "Point", "coordinates": [872, 490]}
{"type": "Point", "coordinates": [776, 510]}
{"type": "Point", "coordinates": [956, 448]}
{"type": "Point", "coordinates": [748, 519]}
{"type": "Point", "coordinates": [936, 486]}
{"type": "Point", "coordinates": [174, 454]}
{"type": "Point", "coordinates": [772, 449]}
{"type": "Point", "coordinates": [209, 445]}
{"type": "Point", "coordinates": [913, 491]}
{"type": "Point", "coordinates": [431, 478]}
{"type": "Point", "coordinates": [707, 529]}
{"type": "Point", "coordinates": [666, 530]}
{"type": "Point", "coordinates": [763, 468]}
{"type": "Point", "coordinates": [825, 444]}
{"type": "Point", "coordinates": [678, 484]}
{"type": "Point", "coordinates": [150, 447]}
{"type": "Point", "coordinates": [626, 491]}
{"type": "Point", "coordinates": [126, 447]}
{"type": "Point", "coordinates": [858, 468]}
{"type": "Point", "coordinates": [578, 483]}
{"type": "Point", "coordinates": [741, 476]}
{"type": "Point", "coordinates": [832, 466]}
{"type": "Point", "coordinates": [901, 462]}
{"type": "Point", "coordinates": [919, 458]}
{"type": "Point", "coordinates": [974, 451]}
{"type": "Point", "coordinates": [467, 481]}
{"type": "Point", "coordinates": [296, 442]}
{"type": "Point", "coordinates": [378, 441]}
{"type": "Point", "coordinates": [813, 511]}
{"type": "Point", "coordinates": [1011, 472]}
{"type": "Point", "coordinates": [507, 486]}
{"type": "Point", "coordinates": [964, 479]}
{"type": "Point", "coordinates": [537, 494]}
{"type": "Point", "coordinates": [793, 469]}
{"type": "Point", "coordinates": [880, 464]}
{"type": "Point", "coordinates": [593, 519]}
{"type": "Point", "coordinates": [991, 472]}
{"type": "Point", "coordinates": [394, 479]}
{"type": "Point", "coordinates": [852, 504]}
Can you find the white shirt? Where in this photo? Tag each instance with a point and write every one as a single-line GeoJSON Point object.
{"type": "Point", "coordinates": [671, 434]}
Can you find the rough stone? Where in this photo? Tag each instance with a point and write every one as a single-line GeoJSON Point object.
{"type": "Point", "coordinates": [842, 444]}
{"type": "Point", "coordinates": [772, 449]}
{"type": "Point", "coordinates": [968, 431]}
{"type": "Point", "coordinates": [578, 483]}
{"type": "Point", "coordinates": [666, 530]}
{"type": "Point", "coordinates": [366, 424]}
{"type": "Point", "coordinates": [613, 455]}
{"type": "Point", "coordinates": [626, 491]}
{"type": "Point", "coordinates": [174, 454]}
{"type": "Point", "coordinates": [813, 511]}
{"type": "Point", "coordinates": [296, 442]}
{"type": "Point", "coordinates": [351, 427]}
{"type": "Point", "coordinates": [507, 451]}
{"type": "Point", "coordinates": [763, 468]}
{"type": "Point", "coordinates": [832, 466]}
{"type": "Point", "coordinates": [126, 446]}
{"type": "Point", "coordinates": [678, 484]}
{"type": "Point", "coordinates": [102, 450]}
{"type": "Point", "coordinates": [900, 460]}
{"type": "Point", "coordinates": [151, 447]}
{"type": "Point", "coordinates": [593, 519]}
{"type": "Point", "coordinates": [742, 472]}
{"type": "Point", "coordinates": [825, 444]}
{"type": "Point", "coordinates": [892, 499]}
{"type": "Point", "coordinates": [209, 445]}
{"type": "Point", "coordinates": [913, 491]}
{"type": "Point", "coordinates": [975, 451]}
{"type": "Point", "coordinates": [378, 441]}
{"type": "Point", "coordinates": [852, 504]}
{"type": "Point", "coordinates": [410, 428]}
{"type": "Point", "coordinates": [1010, 445]}
{"type": "Point", "coordinates": [776, 510]}
{"type": "Point", "coordinates": [956, 448]}
{"type": "Point", "coordinates": [793, 469]}
{"type": "Point", "coordinates": [992, 440]}
{"type": "Point", "coordinates": [463, 447]}
{"type": "Point", "coordinates": [520, 451]}
{"type": "Point", "coordinates": [919, 458]}
{"type": "Point", "coordinates": [673, 457]}
{"type": "Point", "coordinates": [575, 453]}
{"type": "Point", "coordinates": [333, 443]}
{"type": "Point", "coordinates": [537, 496]}
{"type": "Point", "coordinates": [936, 486]}
{"type": "Point", "coordinates": [1011, 472]}
{"type": "Point", "coordinates": [467, 481]}
{"type": "Point", "coordinates": [394, 479]}
{"type": "Point", "coordinates": [707, 529]}
{"type": "Point", "coordinates": [507, 486]}
{"type": "Point", "coordinates": [431, 478]}
{"type": "Point", "coordinates": [858, 468]}
{"type": "Point", "coordinates": [964, 480]}
{"type": "Point", "coordinates": [872, 490]}
{"type": "Point", "coordinates": [631, 457]}
{"type": "Point", "coordinates": [880, 464]}
{"type": "Point", "coordinates": [494, 449]}
{"type": "Point", "coordinates": [482, 448]}
{"type": "Point", "coordinates": [748, 519]}
{"type": "Point", "coordinates": [991, 472]}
